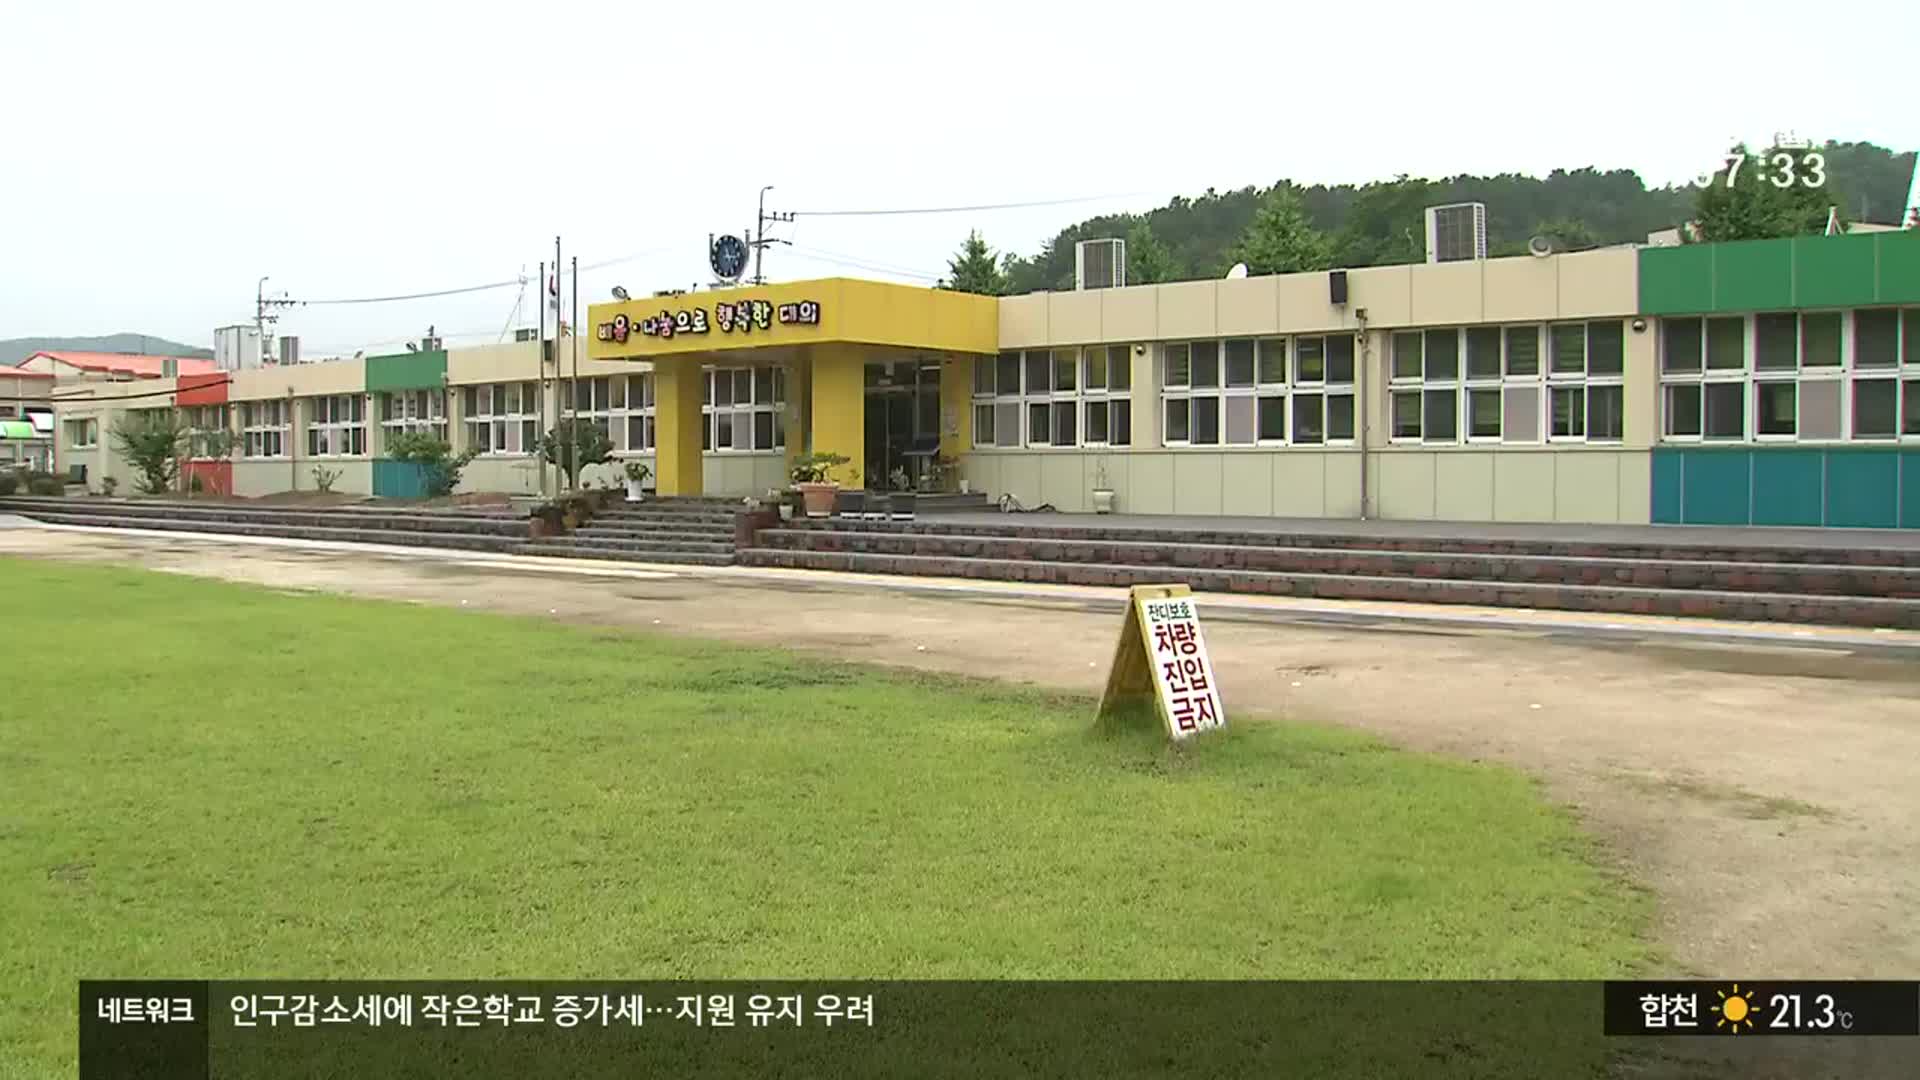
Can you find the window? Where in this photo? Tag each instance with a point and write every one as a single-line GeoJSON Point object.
{"type": "Point", "coordinates": [745, 409]}
{"type": "Point", "coordinates": [1054, 397]}
{"type": "Point", "coordinates": [502, 418]}
{"type": "Point", "coordinates": [1486, 384]}
{"type": "Point", "coordinates": [634, 432]}
{"type": "Point", "coordinates": [336, 425]}
{"type": "Point", "coordinates": [203, 422]}
{"type": "Point", "coordinates": [1258, 391]}
{"type": "Point", "coordinates": [264, 427]}
{"type": "Point", "coordinates": [1815, 376]}
{"type": "Point", "coordinates": [419, 411]}
{"type": "Point", "coordinates": [83, 434]}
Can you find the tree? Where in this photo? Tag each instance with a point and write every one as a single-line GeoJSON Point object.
{"type": "Point", "coordinates": [1281, 240]}
{"type": "Point", "coordinates": [1755, 205]}
{"type": "Point", "coordinates": [434, 455]}
{"type": "Point", "coordinates": [574, 444]}
{"type": "Point", "coordinates": [975, 269]}
{"type": "Point", "coordinates": [1568, 234]}
{"type": "Point", "coordinates": [1148, 260]}
{"type": "Point", "coordinates": [153, 441]}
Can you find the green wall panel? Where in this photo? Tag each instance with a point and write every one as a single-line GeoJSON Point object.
{"type": "Point", "coordinates": [407, 371]}
{"type": "Point", "coordinates": [1899, 267]}
{"type": "Point", "coordinates": [1776, 275]}
{"type": "Point", "coordinates": [1863, 489]}
{"type": "Point", "coordinates": [1717, 488]}
{"type": "Point", "coordinates": [1789, 487]}
{"type": "Point", "coordinates": [1667, 468]}
{"type": "Point", "coordinates": [1753, 275]}
{"type": "Point", "coordinates": [1834, 271]}
{"type": "Point", "coordinates": [1676, 280]}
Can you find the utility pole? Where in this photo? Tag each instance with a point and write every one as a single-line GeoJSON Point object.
{"type": "Point", "coordinates": [759, 242]}
{"type": "Point", "coordinates": [573, 335]}
{"type": "Point", "coordinates": [564, 439]}
{"type": "Point", "coordinates": [262, 320]}
{"type": "Point", "coordinates": [540, 366]}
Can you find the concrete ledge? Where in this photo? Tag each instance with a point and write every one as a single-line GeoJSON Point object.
{"type": "Point", "coordinates": [1832, 610]}
{"type": "Point", "coordinates": [1176, 552]}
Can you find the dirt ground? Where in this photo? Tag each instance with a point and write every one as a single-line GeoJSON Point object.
{"type": "Point", "coordinates": [1765, 794]}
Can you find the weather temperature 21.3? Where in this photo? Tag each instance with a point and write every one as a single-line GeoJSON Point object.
{"type": "Point", "coordinates": [1741, 1007]}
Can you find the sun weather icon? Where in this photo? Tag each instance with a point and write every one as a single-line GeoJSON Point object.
{"type": "Point", "coordinates": [1735, 1009]}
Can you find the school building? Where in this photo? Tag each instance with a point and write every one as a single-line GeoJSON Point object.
{"type": "Point", "coordinates": [1756, 383]}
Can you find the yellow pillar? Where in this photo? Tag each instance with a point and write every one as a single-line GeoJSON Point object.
{"type": "Point", "coordinates": [839, 396]}
{"type": "Point", "coordinates": [676, 425]}
{"type": "Point", "coordinates": [956, 406]}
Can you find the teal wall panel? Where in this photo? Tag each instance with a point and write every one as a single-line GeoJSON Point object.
{"type": "Point", "coordinates": [1863, 489]}
{"type": "Point", "coordinates": [1717, 488]}
{"type": "Point", "coordinates": [1667, 466]}
{"type": "Point", "coordinates": [399, 479]}
{"type": "Point", "coordinates": [1833, 271]}
{"type": "Point", "coordinates": [1789, 487]}
{"type": "Point", "coordinates": [1753, 275]}
{"type": "Point", "coordinates": [1910, 489]}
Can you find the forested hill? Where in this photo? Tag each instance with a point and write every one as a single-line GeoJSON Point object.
{"type": "Point", "coordinates": [1382, 222]}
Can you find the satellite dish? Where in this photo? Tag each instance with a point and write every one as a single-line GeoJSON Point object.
{"type": "Point", "coordinates": [1239, 271]}
{"type": "Point", "coordinates": [620, 293]}
{"type": "Point", "coordinates": [1540, 246]}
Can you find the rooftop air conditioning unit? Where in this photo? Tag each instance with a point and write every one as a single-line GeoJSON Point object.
{"type": "Point", "coordinates": [290, 349]}
{"type": "Point", "coordinates": [1456, 231]}
{"type": "Point", "coordinates": [526, 333]}
{"type": "Point", "coordinates": [1099, 264]}
{"type": "Point", "coordinates": [429, 344]}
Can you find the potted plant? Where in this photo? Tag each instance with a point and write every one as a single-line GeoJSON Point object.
{"type": "Point", "coordinates": [812, 475]}
{"type": "Point", "coordinates": [637, 474]}
{"type": "Point", "coordinates": [1102, 494]}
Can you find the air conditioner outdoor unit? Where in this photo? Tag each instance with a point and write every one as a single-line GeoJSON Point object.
{"type": "Point", "coordinates": [1456, 231]}
{"type": "Point", "coordinates": [526, 333]}
{"type": "Point", "coordinates": [1100, 264]}
{"type": "Point", "coordinates": [431, 344]}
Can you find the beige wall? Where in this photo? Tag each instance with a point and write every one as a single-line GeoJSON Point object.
{"type": "Point", "coordinates": [1464, 484]}
{"type": "Point", "coordinates": [1521, 289]}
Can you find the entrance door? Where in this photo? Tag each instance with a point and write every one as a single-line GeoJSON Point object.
{"type": "Point", "coordinates": [902, 423]}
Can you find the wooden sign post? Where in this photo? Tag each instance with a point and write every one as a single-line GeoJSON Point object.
{"type": "Point", "coordinates": [1162, 653]}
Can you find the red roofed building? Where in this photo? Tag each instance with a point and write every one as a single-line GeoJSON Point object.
{"type": "Point", "coordinates": [122, 365]}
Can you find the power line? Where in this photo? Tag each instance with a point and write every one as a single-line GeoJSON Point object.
{"type": "Point", "coordinates": [958, 209]}
{"type": "Point", "coordinates": [812, 254]}
{"type": "Point", "coordinates": [519, 281]}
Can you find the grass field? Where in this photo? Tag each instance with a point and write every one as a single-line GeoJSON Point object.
{"type": "Point", "coordinates": [209, 780]}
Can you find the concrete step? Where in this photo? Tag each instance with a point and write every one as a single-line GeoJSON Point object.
{"type": "Point", "coordinates": [622, 543]}
{"type": "Point", "coordinates": [410, 538]}
{"type": "Point", "coordinates": [367, 518]}
{"type": "Point", "coordinates": [670, 535]}
{"type": "Point", "coordinates": [1172, 554]}
{"type": "Point", "coordinates": [1756, 551]}
{"type": "Point", "coordinates": [559, 548]}
{"type": "Point", "coordinates": [684, 517]}
{"type": "Point", "coordinates": [1696, 603]}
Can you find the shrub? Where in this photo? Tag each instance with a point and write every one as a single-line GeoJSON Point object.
{"type": "Point", "coordinates": [443, 466]}
{"type": "Point", "coordinates": [323, 478]}
{"type": "Point", "coordinates": [153, 442]}
{"type": "Point", "coordinates": [108, 484]}
{"type": "Point", "coordinates": [194, 484]}
{"type": "Point", "coordinates": [46, 484]}
{"type": "Point", "coordinates": [814, 468]}
{"type": "Point", "coordinates": [573, 445]}
{"type": "Point", "coordinates": [9, 482]}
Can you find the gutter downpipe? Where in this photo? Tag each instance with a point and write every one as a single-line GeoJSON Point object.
{"type": "Point", "coordinates": [1360, 405]}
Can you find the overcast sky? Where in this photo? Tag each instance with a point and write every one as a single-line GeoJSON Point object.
{"type": "Point", "coordinates": [162, 157]}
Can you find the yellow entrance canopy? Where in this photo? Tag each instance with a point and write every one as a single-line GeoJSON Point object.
{"type": "Point", "coordinates": [822, 311]}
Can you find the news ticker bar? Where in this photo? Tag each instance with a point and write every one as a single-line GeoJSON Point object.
{"type": "Point", "coordinates": [1630, 1008]}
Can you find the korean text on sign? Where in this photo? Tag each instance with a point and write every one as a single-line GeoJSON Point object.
{"type": "Point", "coordinates": [1181, 668]}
